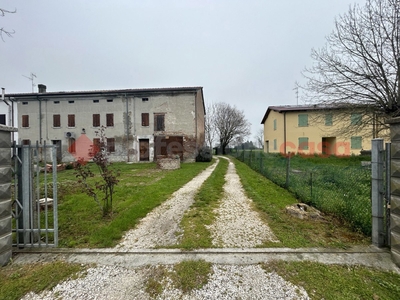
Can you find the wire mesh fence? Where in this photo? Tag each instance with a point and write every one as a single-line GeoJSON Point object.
{"type": "Point", "coordinates": [344, 191]}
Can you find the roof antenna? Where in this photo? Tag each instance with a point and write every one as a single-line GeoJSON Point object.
{"type": "Point", "coordinates": [31, 79]}
{"type": "Point", "coordinates": [296, 88]}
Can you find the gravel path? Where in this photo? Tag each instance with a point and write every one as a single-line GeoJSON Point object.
{"type": "Point", "coordinates": [237, 224]}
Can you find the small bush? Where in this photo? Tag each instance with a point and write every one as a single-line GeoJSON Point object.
{"type": "Point", "coordinates": [205, 155]}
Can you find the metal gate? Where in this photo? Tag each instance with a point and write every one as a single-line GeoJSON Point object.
{"type": "Point", "coordinates": [34, 196]}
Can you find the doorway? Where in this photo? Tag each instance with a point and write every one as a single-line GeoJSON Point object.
{"type": "Point", "coordinates": [144, 149]}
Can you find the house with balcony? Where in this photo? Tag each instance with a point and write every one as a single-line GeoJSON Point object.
{"type": "Point", "coordinates": [311, 129]}
{"type": "Point", "coordinates": [139, 124]}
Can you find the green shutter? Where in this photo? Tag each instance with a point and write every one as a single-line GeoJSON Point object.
{"type": "Point", "coordinates": [275, 124]}
{"type": "Point", "coordinates": [303, 120]}
{"type": "Point", "coordinates": [355, 119]}
{"type": "Point", "coordinates": [303, 143]}
{"type": "Point", "coordinates": [328, 120]}
{"type": "Point", "coordinates": [356, 142]}
{"type": "Point", "coordinates": [275, 145]}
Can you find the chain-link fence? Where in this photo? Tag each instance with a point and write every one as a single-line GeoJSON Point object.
{"type": "Point", "coordinates": [342, 191]}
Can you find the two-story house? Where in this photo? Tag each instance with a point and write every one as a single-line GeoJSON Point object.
{"type": "Point", "coordinates": [310, 129]}
{"type": "Point", "coordinates": [140, 124]}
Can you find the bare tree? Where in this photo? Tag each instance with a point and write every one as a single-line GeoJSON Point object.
{"type": "Point", "coordinates": [4, 31]}
{"type": "Point", "coordinates": [230, 124]}
{"type": "Point", "coordinates": [260, 138]}
{"type": "Point", "coordinates": [209, 127]}
{"type": "Point", "coordinates": [359, 67]}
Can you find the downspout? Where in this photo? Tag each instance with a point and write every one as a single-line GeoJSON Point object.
{"type": "Point", "coordinates": [284, 131]}
{"type": "Point", "coordinates": [127, 129]}
{"type": "Point", "coordinates": [40, 119]}
{"type": "Point", "coordinates": [195, 123]}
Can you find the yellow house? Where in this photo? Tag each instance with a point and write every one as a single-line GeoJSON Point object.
{"type": "Point", "coordinates": [309, 129]}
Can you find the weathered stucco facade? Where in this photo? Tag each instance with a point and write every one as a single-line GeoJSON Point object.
{"type": "Point", "coordinates": [140, 124]}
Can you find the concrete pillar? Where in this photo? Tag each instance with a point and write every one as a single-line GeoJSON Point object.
{"type": "Point", "coordinates": [5, 194]}
{"type": "Point", "coordinates": [395, 189]}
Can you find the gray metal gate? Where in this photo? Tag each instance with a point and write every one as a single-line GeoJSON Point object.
{"type": "Point", "coordinates": [34, 196]}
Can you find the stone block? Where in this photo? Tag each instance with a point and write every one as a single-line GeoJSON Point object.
{"type": "Point", "coordinates": [5, 157]}
{"type": "Point", "coordinates": [395, 167]}
{"type": "Point", "coordinates": [396, 257]}
{"type": "Point", "coordinates": [5, 209]}
{"type": "Point", "coordinates": [5, 139]}
{"type": "Point", "coordinates": [395, 240]}
{"type": "Point", "coordinates": [5, 191]}
{"type": "Point", "coordinates": [395, 186]}
{"type": "Point", "coordinates": [5, 174]}
{"type": "Point", "coordinates": [395, 223]}
{"type": "Point", "coordinates": [5, 225]}
{"type": "Point", "coordinates": [395, 205]}
{"type": "Point", "coordinates": [5, 249]}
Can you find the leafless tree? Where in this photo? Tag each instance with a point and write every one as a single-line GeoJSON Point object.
{"type": "Point", "coordinates": [359, 67]}
{"type": "Point", "coordinates": [4, 31]}
{"type": "Point", "coordinates": [209, 123]}
{"type": "Point", "coordinates": [230, 124]}
{"type": "Point", "coordinates": [260, 138]}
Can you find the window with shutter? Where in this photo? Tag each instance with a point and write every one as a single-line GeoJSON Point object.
{"type": "Point", "coordinates": [145, 119]}
{"type": "Point", "coordinates": [71, 120]}
{"type": "Point", "coordinates": [356, 142]}
{"type": "Point", "coordinates": [303, 120]}
{"type": "Point", "coordinates": [355, 119]}
{"type": "Point", "coordinates": [110, 145]}
{"type": "Point", "coordinates": [25, 120]}
{"type": "Point", "coordinates": [328, 120]}
{"type": "Point", "coordinates": [303, 143]}
{"type": "Point", "coordinates": [110, 120]}
{"type": "Point", "coordinates": [56, 121]}
{"type": "Point", "coordinates": [159, 124]}
{"type": "Point", "coordinates": [96, 120]}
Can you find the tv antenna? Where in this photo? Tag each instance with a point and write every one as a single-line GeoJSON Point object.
{"type": "Point", "coordinates": [31, 78]}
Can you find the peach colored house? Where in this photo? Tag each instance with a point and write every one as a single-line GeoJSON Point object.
{"type": "Point", "coordinates": [309, 129]}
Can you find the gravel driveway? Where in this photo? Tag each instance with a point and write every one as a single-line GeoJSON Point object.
{"type": "Point", "coordinates": [237, 225]}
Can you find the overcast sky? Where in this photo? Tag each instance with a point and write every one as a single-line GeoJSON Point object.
{"type": "Point", "coordinates": [246, 53]}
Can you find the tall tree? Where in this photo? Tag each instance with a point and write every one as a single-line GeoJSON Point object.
{"type": "Point", "coordinates": [260, 138]}
{"type": "Point", "coordinates": [359, 67]}
{"type": "Point", "coordinates": [230, 123]}
{"type": "Point", "coordinates": [209, 127]}
{"type": "Point", "coordinates": [4, 31]}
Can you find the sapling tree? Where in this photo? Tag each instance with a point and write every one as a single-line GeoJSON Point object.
{"type": "Point", "coordinates": [103, 183]}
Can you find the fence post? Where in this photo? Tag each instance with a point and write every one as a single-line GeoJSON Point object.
{"type": "Point", "coordinates": [387, 190]}
{"type": "Point", "coordinates": [378, 233]}
{"type": "Point", "coordinates": [287, 171]}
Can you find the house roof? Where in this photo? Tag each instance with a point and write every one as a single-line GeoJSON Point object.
{"type": "Point", "coordinates": [285, 108]}
{"type": "Point", "coordinates": [105, 92]}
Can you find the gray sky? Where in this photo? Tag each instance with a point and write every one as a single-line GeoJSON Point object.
{"type": "Point", "coordinates": [246, 53]}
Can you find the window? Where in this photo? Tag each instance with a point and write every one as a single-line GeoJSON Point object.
{"type": "Point", "coordinates": [303, 120]}
{"type": "Point", "coordinates": [3, 119]}
{"type": "Point", "coordinates": [275, 145]}
{"type": "Point", "coordinates": [110, 100]}
{"type": "Point", "coordinates": [159, 124]}
{"type": "Point", "coordinates": [355, 119]}
{"type": "Point", "coordinates": [110, 120]}
{"type": "Point", "coordinates": [56, 121]}
{"type": "Point", "coordinates": [56, 102]}
{"type": "Point", "coordinates": [26, 142]}
{"type": "Point", "coordinates": [24, 103]}
{"type": "Point", "coordinates": [71, 120]}
{"type": "Point", "coordinates": [96, 120]}
{"type": "Point", "coordinates": [71, 101]}
{"type": "Point", "coordinates": [145, 119]}
{"type": "Point", "coordinates": [274, 124]}
{"type": "Point", "coordinates": [25, 120]}
{"type": "Point", "coordinates": [95, 101]}
{"type": "Point", "coordinates": [356, 142]}
{"type": "Point", "coordinates": [145, 99]}
{"type": "Point", "coordinates": [110, 145]}
{"type": "Point", "coordinates": [303, 143]}
{"type": "Point", "coordinates": [328, 120]}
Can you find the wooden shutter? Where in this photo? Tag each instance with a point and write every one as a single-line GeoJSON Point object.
{"type": "Point", "coordinates": [145, 119]}
{"type": "Point", "coordinates": [159, 123]}
{"type": "Point", "coordinates": [110, 120]}
{"type": "Point", "coordinates": [25, 120]}
{"type": "Point", "coordinates": [56, 121]}
{"type": "Point", "coordinates": [96, 120]}
{"type": "Point", "coordinates": [110, 145]}
{"type": "Point", "coordinates": [71, 120]}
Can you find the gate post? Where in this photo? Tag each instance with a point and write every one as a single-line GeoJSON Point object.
{"type": "Point", "coordinates": [5, 194]}
{"type": "Point", "coordinates": [377, 188]}
{"type": "Point", "coordinates": [395, 190]}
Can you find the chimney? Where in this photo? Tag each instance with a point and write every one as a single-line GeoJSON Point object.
{"type": "Point", "coordinates": [42, 88]}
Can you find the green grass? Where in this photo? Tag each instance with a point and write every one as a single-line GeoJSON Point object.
{"type": "Point", "coordinates": [17, 280]}
{"type": "Point", "coordinates": [338, 282]}
{"type": "Point", "coordinates": [142, 187]}
{"type": "Point", "coordinates": [271, 201]}
{"type": "Point", "coordinates": [201, 214]}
